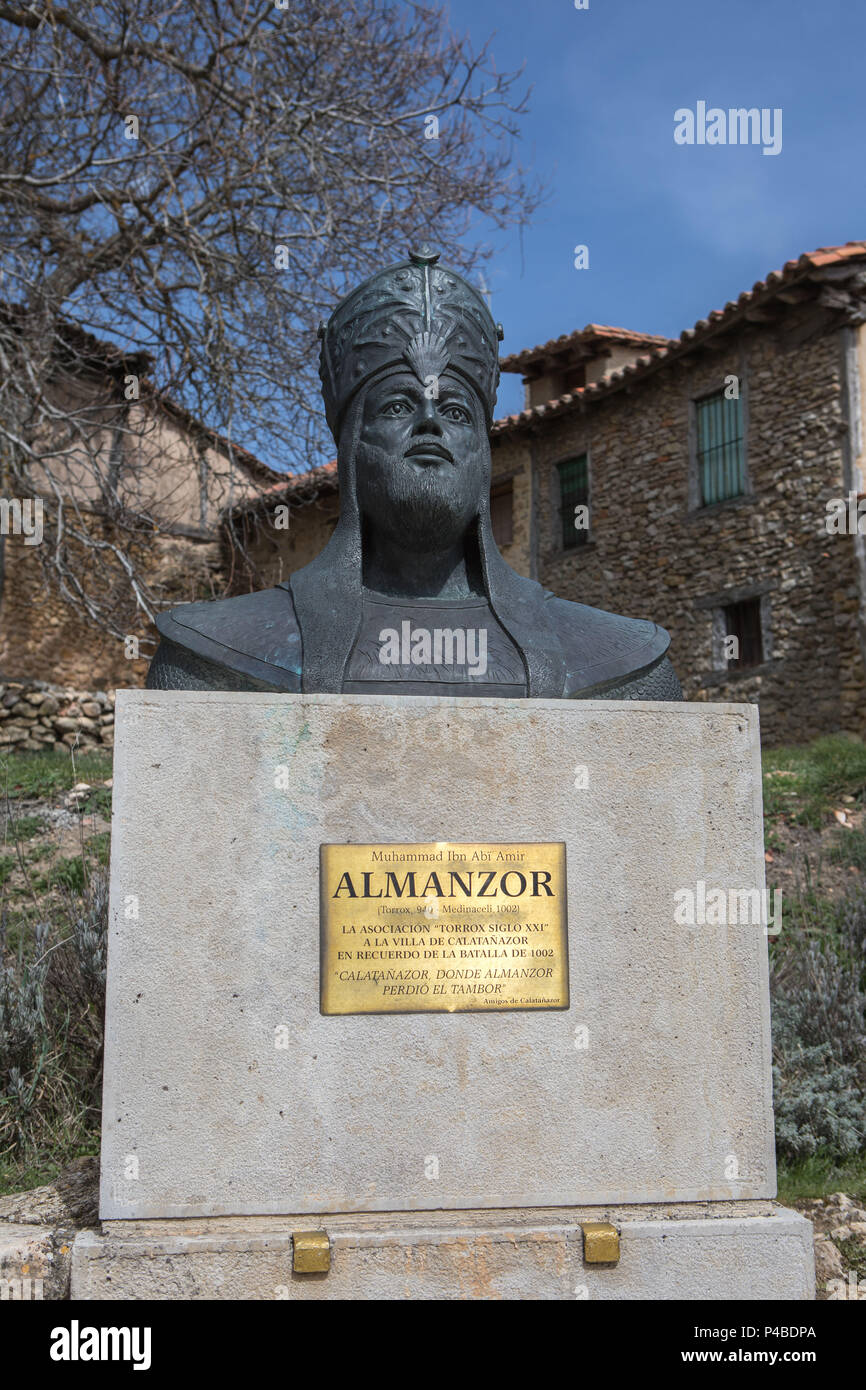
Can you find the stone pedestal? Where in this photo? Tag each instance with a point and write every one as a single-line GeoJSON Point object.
{"type": "Point", "coordinates": [721, 1250]}
{"type": "Point", "coordinates": [444, 1153]}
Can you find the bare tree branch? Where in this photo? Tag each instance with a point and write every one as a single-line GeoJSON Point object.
{"type": "Point", "coordinates": [195, 184]}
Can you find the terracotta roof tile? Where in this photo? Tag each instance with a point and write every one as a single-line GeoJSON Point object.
{"type": "Point", "coordinates": [810, 260]}
{"type": "Point", "coordinates": [306, 485]}
{"type": "Point", "coordinates": [592, 332]}
{"type": "Point", "coordinates": [324, 477]}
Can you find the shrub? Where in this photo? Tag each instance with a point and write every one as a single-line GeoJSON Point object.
{"type": "Point", "coordinates": [819, 1039]}
{"type": "Point", "coordinates": [52, 993]}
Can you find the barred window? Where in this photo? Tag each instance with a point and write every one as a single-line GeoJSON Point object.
{"type": "Point", "coordinates": [574, 501]}
{"type": "Point", "coordinates": [743, 623]}
{"type": "Point", "coordinates": [721, 455]}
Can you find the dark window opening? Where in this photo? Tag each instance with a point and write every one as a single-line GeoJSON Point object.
{"type": "Point", "coordinates": [572, 380]}
{"type": "Point", "coordinates": [721, 455]}
{"type": "Point", "coordinates": [743, 622]}
{"type": "Point", "coordinates": [502, 513]}
{"type": "Point", "coordinates": [574, 501]}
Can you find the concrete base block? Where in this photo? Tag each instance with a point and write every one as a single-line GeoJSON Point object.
{"type": "Point", "coordinates": [739, 1251]}
{"type": "Point", "coordinates": [29, 1268]}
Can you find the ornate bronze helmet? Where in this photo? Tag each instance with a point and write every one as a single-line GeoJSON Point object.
{"type": "Point", "coordinates": [417, 314]}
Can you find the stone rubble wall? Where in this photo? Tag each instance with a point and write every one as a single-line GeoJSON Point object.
{"type": "Point", "coordinates": [45, 637]}
{"type": "Point", "coordinates": [35, 716]}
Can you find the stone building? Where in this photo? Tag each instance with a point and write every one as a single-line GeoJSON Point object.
{"type": "Point", "coordinates": [706, 468]}
{"type": "Point", "coordinates": [711, 482]}
{"type": "Point", "coordinates": [143, 472]}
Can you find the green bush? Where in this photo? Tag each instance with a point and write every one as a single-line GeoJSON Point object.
{"type": "Point", "coordinates": [819, 1038]}
{"type": "Point", "coordinates": [52, 993]}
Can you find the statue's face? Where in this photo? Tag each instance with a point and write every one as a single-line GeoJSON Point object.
{"type": "Point", "coordinates": [423, 461]}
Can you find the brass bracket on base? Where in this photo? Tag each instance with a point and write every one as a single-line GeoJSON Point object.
{"type": "Point", "coordinates": [600, 1243]}
{"type": "Point", "coordinates": [311, 1252]}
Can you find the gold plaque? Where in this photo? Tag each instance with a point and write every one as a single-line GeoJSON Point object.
{"type": "Point", "coordinates": [443, 928]}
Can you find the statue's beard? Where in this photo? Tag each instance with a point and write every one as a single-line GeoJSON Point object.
{"type": "Point", "coordinates": [423, 509]}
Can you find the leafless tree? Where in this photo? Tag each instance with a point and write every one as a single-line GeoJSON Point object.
{"type": "Point", "coordinates": [193, 183]}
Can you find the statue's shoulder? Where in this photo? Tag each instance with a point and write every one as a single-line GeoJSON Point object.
{"type": "Point", "coordinates": [605, 652]}
{"type": "Point", "coordinates": [250, 642]}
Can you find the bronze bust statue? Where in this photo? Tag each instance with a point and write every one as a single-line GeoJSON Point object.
{"type": "Point", "coordinates": [411, 596]}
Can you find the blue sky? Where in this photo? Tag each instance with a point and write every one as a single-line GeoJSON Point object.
{"type": "Point", "coordinates": [673, 231]}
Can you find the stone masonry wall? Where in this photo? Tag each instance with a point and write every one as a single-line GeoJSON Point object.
{"type": "Point", "coordinates": [653, 554]}
{"type": "Point", "coordinates": [518, 554]}
{"type": "Point", "coordinates": [275, 554]}
{"type": "Point", "coordinates": [45, 636]}
{"type": "Point", "coordinates": [36, 717]}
